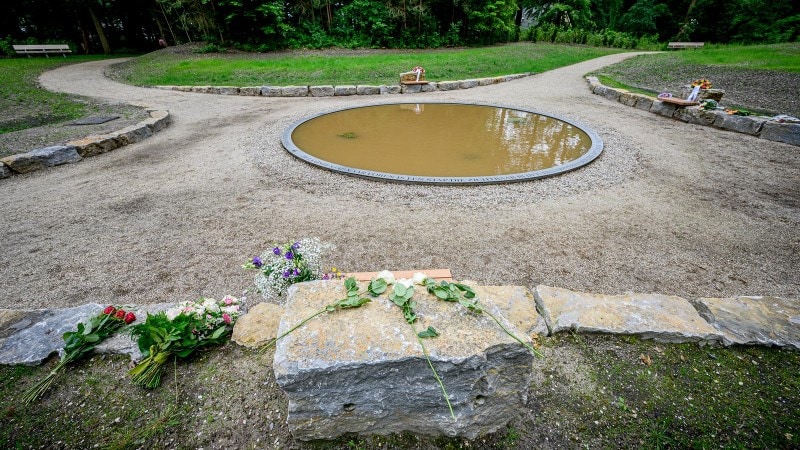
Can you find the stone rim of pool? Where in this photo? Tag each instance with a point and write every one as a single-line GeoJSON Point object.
{"type": "Point", "coordinates": [590, 155]}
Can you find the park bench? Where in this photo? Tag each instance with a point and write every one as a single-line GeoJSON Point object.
{"type": "Point", "coordinates": [45, 49]}
{"type": "Point", "coordinates": [685, 44]}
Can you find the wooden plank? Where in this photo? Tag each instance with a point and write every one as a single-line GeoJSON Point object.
{"type": "Point", "coordinates": [436, 274]}
{"type": "Point", "coordinates": [679, 101]}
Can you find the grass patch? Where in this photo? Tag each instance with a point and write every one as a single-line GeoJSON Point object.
{"type": "Point", "coordinates": [344, 67]}
{"type": "Point", "coordinates": [610, 82]}
{"type": "Point", "coordinates": [24, 104]}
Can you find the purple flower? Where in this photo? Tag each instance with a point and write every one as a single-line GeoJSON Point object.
{"type": "Point", "coordinates": [289, 255]}
{"type": "Point", "coordinates": [296, 245]}
{"type": "Point", "coordinates": [287, 273]}
{"type": "Point", "coordinates": [296, 272]}
{"type": "Point", "coordinates": [257, 261]}
{"type": "Point", "coordinates": [276, 251]}
{"type": "Point", "coordinates": [326, 277]}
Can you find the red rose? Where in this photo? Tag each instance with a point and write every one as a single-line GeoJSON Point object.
{"type": "Point", "coordinates": [130, 317]}
{"type": "Point", "coordinates": [120, 314]}
{"type": "Point", "coordinates": [109, 310]}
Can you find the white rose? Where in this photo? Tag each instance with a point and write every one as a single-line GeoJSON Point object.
{"type": "Point", "coordinates": [172, 313]}
{"type": "Point", "coordinates": [387, 276]}
{"type": "Point", "coordinates": [419, 278]}
{"type": "Point", "coordinates": [405, 282]}
{"type": "Point", "coordinates": [211, 305]}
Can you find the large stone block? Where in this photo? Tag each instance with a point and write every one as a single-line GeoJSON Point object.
{"type": "Point", "coordinates": [788, 133]}
{"type": "Point", "coordinates": [344, 90]}
{"type": "Point", "coordinates": [250, 90]}
{"type": "Point", "coordinates": [96, 145]}
{"type": "Point", "coordinates": [134, 133]}
{"type": "Point", "coordinates": [643, 102]}
{"type": "Point", "coordinates": [695, 116]}
{"type": "Point", "coordinates": [447, 85]}
{"type": "Point", "coordinates": [468, 84]}
{"type": "Point", "coordinates": [430, 87]}
{"type": "Point", "coordinates": [271, 91]}
{"type": "Point", "coordinates": [321, 91]}
{"type": "Point", "coordinates": [258, 326]}
{"type": "Point", "coordinates": [294, 91]}
{"type": "Point", "coordinates": [741, 124]}
{"type": "Point", "coordinates": [613, 94]}
{"type": "Point", "coordinates": [650, 316]}
{"type": "Point", "coordinates": [226, 90]}
{"type": "Point", "coordinates": [391, 89]}
{"type": "Point", "coordinates": [368, 90]}
{"type": "Point", "coordinates": [5, 172]}
{"type": "Point", "coordinates": [754, 320]}
{"type": "Point", "coordinates": [628, 98]}
{"type": "Point", "coordinates": [39, 333]}
{"type": "Point", "coordinates": [363, 371]}
{"type": "Point", "coordinates": [41, 158]}
{"type": "Point", "coordinates": [410, 89]}
{"type": "Point", "coordinates": [662, 109]}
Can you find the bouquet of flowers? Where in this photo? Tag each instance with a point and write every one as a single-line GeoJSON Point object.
{"type": "Point", "coordinates": [703, 83]}
{"type": "Point", "coordinates": [79, 343]}
{"type": "Point", "coordinates": [288, 264]}
{"type": "Point", "coordinates": [179, 331]}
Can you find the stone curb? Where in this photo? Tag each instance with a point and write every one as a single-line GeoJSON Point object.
{"type": "Point", "coordinates": [787, 133]}
{"type": "Point", "coordinates": [345, 90]}
{"type": "Point", "coordinates": [75, 151]}
{"type": "Point", "coordinates": [31, 336]}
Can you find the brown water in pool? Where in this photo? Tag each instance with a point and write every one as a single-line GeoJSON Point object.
{"type": "Point", "coordinates": [441, 140]}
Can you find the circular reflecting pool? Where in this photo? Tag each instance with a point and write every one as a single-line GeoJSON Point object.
{"type": "Point", "coordinates": [442, 143]}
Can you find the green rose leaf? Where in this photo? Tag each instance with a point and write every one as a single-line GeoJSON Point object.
{"type": "Point", "coordinates": [429, 333]}
{"type": "Point", "coordinates": [377, 287]}
{"type": "Point", "coordinates": [350, 284]}
{"type": "Point", "coordinates": [399, 290]}
{"type": "Point", "coordinates": [92, 337]}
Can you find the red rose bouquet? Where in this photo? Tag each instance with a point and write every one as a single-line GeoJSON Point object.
{"type": "Point", "coordinates": [78, 343]}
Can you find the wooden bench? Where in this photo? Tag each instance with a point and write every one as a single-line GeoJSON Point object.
{"type": "Point", "coordinates": [436, 274]}
{"type": "Point", "coordinates": [685, 44]}
{"type": "Point", "coordinates": [43, 49]}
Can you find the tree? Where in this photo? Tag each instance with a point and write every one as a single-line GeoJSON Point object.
{"type": "Point", "coordinates": [641, 19]}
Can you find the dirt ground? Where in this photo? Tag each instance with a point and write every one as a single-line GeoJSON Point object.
{"type": "Point", "coordinates": [668, 207]}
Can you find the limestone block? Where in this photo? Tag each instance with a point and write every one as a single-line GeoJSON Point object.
{"type": "Point", "coordinates": [228, 90]}
{"type": "Point", "coordinates": [754, 320]}
{"type": "Point", "coordinates": [344, 90]}
{"type": "Point", "coordinates": [5, 172]}
{"type": "Point", "coordinates": [662, 109]}
{"type": "Point", "coordinates": [447, 85]}
{"type": "Point", "coordinates": [430, 87]}
{"type": "Point", "coordinates": [202, 89]}
{"type": "Point", "coordinates": [271, 91]}
{"type": "Point", "coordinates": [695, 115]}
{"type": "Point", "coordinates": [628, 98]}
{"type": "Point", "coordinates": [742, 124]}
{"type": "Point", "coordinates": [600, 89]}
{"type": "Point", "coordinates": [467, 84]}
{"type": "Point", "coordinates": [258, 326]}
{"type": "Point", "coordinates": [158, 113]}
{"type": "Point", "coordinates": [649, 316]}
{"type": "Point", "coordinates": [363, 371]}
{"type": "Point", "coordinates": [516, 303]}
{"type": "Point", "coordinates": [392, 89]}
{"type": "Point", "coordinates": [613, 94]}
{"type": "Point", "coordinates": [39, 333]}
{"type": "Point", "coordinates": [294, 91]}
{"type": "Point", "coordinates": [788, 133]}
{"type": "Point", "coordinates": [368, 90]}
{"type": "Point", "coordinates": [410, 88]}
{"type": "Point", "coordinates": [96, 145]}
{"type": "Point", "coordinates": [643, 102]}
{"type": "Point", "coordinates": [184, 88]}
{"type": "Point", "coordinates": [250, 90]}
{"type": "Point", "coordinates": [134, 133]}
{"type": "Point", "coordinates": [41, 158]}
{"type": "Point", "coordinates": [321, 91]}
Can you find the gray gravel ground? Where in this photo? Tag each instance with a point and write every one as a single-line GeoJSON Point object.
{"type": "Point", "coordinates": [668, 207]}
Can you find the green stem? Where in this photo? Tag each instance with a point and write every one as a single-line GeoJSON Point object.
{"type": "Point", "coordinates": [528, 346]}
{"type": "Point", "coordinates": [272, 342]}
{"type": "Point", "coordinates": [435, 374]}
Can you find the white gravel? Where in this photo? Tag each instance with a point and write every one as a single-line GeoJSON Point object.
{"type": "Point", "coordinates": [668, 207]}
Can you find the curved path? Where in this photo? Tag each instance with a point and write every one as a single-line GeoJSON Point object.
{"type": "Point", "coordinates": [669, 207]}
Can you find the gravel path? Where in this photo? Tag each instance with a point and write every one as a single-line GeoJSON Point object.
{"type": "Point", "coordinates": [668, 207]}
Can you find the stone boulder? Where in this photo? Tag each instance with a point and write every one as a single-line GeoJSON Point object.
{"type": "Point", "coordinates": [363, 370]}
{"type": "Point", "coordinates": [5, 172]}
{"type": "Point", "coordinates": [788, 133]}
{"type": "Point", "coordinates": [41, 158]}
{"type": "Point", "coordinates": [344, 90]}
{"type": "Point", "coordinates": [754, 320]}
{"type": "Point", "coordinates": [258, 326]}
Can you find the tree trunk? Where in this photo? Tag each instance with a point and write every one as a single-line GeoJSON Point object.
{"type": "Point", "coordinates": [169, 25]}
{"type": "Point", "coordinates": [100, 33]}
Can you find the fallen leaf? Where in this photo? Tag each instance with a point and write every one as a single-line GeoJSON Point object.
{"type": "Point", "coordinates": [646, 360]}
